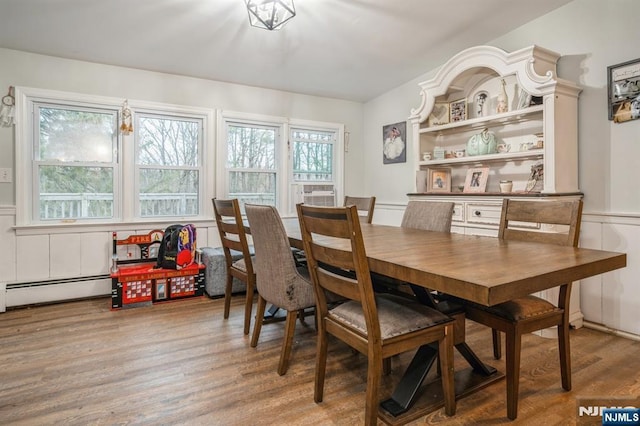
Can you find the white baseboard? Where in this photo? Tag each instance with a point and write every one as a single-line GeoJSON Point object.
{"type": "Point", "coordinates": [30, 295]}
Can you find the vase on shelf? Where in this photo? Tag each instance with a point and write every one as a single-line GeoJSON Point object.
{"type": "Point", "coordinates": [503, 100]}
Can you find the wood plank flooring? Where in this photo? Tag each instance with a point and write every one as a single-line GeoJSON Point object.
{"type": "Point", "coordinates": [180, 363]}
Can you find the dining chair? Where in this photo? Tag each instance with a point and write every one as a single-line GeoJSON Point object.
{"type": "Point", "coordinates": [364, 205]}
{"type": "Point", "coordinates": [426, 216]}
{"type": "Point", "coordinates": [376, 325]}
{"type": "Point", "coordinates": [233, 238]}
{"type": "Point", "coordinates": [279, 281]}
{"type": "Point", "coordinates": [524, 221]}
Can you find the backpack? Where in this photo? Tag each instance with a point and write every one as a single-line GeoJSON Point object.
{"type": "Point", "coordinates": [177, 248]}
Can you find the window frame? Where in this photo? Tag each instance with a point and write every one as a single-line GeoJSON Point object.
{"type": "Point", "coordinates": [124, 193]}
{"type": "Point", "coordinates": [284, 160]}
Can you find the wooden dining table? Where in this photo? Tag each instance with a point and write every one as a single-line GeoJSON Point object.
{"type": "Point", "coordinates": [485, 270]}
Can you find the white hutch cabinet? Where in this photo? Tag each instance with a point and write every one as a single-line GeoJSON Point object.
{"type": "Point", "coordinates": [535, 129]}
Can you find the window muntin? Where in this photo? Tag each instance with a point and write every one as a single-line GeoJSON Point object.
{"type": "Point", "coordinates": [75, 162]}
{"type": "Point", "coordinates": [168, 165]}
{"type": "Point", "coordinates": [251, 163]}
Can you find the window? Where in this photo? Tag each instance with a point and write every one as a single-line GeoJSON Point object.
{"type": "Point", "coordinates": [168, 165]}
{"type": "Point", "coordinates": [75, 162]}
{"type": "Point", "coordinates": [251, 163]}
{"type": "Point", "coordinates": [312, 155]}
{"type": "Point", "coordinates": [274, 160]}
{"type": "Point", "coordinates": [75, 166]}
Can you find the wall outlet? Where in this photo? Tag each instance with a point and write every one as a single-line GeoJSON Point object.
{"type": "Point", "coordinates": [6, 175]}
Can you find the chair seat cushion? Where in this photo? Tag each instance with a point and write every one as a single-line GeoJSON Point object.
{"type": "Point", "coordinates": [521, 308]}
{"type": "Point", "coordinates": [397, 315]}
{"type": "Point", "coordinates": [241, 265]}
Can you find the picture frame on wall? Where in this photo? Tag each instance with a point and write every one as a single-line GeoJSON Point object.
{"type": "Point", "coordinates": [623, 90]}
{"type": "Point", "coordinates": [439, 179]}
{"type": "Point", "coordinates": [394, 147]}
{"type": "Point", "coordinates": [458, 110]}
{"type": "Point", "coordinates": [476, 180]}
{"type": "Point", "coordinates": [439, 114]}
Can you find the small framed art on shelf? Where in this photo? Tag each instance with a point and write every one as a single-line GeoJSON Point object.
{"type": "Point", "coordinates": [439, 180]}
{"type": "Point", "coordinates": [458, 110]}
{"type": "Point", "coordinates": [476, 180]}
{"type": "Point", "coordinates": [439, 115]}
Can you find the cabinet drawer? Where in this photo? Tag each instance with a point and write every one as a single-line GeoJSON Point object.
{"type": "Point", "coordinates": [458, 212]}
{"type": "Point", "coordinates": [487, 214]}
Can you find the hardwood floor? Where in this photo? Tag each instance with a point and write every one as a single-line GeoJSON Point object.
{"type": "Point", "coordinates": [181, 363]}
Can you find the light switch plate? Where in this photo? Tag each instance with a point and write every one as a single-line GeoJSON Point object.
{"type": "Point", "coordinates": [6, 175]}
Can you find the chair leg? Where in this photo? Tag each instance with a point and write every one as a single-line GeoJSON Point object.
{"type": "Point", "coordinates": [386, 366]}
{"type": "Point", "coordinates": [374, 368]}
{"type": "Point", "coordinates": [258, 322]}
{"type": "Point", "coordinates": [445, 353]}
{"type": "Point", "coordinates": [287, 343]}
{"type": "Point", "coordinates": [227, 295]}
{"type": "Point", "coordinates": [497, 346]}
{"type": "Point", "coordinates": [248, 306]}
{"type": "Point", "coordinates": [513, 345]}
{"type": "Point", "coordinates": [321, 365]}
{"type": "Point", "coordinates": [565, 354]}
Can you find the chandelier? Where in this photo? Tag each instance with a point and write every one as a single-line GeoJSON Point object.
{"type": "Point", "coordinates": [270, 14]}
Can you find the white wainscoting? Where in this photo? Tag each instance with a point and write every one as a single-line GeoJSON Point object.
{"type": "Point", "coordinates": [55, 264]}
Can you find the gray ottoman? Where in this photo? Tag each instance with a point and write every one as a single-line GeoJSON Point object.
{"type": "Point", "coordinates": [213, 258]}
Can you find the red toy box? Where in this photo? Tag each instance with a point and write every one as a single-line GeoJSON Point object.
{"type": "Point", "coordinates": [136, 282]}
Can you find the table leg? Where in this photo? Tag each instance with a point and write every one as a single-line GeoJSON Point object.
{"type": "Point", "coordinates": [405, 393]}
{"type": "Point", "coordinates": [474, 361]}
{"type": "Point", "coordinates": [407, 390]}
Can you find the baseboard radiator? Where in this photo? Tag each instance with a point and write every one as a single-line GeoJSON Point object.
{"type": "Point", "coordinates": [55, 290]}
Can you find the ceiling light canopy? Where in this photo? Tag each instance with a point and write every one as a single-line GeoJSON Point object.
{"type": "Point", "coordinates": [270, 14]}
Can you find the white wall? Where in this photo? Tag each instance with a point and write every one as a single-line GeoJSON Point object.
{"type": "Point", "coordinates": [591, 35]}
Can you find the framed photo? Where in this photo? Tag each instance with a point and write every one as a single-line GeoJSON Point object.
{"type": "Point", "coordinates": [439, 180]}
{"type": "Point", "coordinates": [439, 114]}
{"type": "Point", "coordinates": [476, 180]}
{"type": "Point", "coordinates": [458, 110]}
{"type": "Point", "coordinates": [394, 148]}
{"type": "Point", "coordinates": [623, 90]}
{"type": "Point", "coordinates": [161, 289]}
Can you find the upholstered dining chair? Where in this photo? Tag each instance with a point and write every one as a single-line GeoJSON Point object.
{"type": "Point", "coordinates": [521, 221]}
{"type": "Point", "coordinates": [233, 238]}
{"type": "Point", "coordinates": [279, 281]}
{"type": "Point", "coordinates": [377, 325]}
{"type": "Point", "coordinates": [427, 216]}
{"type": "Point", "coordinates": [363, 204]}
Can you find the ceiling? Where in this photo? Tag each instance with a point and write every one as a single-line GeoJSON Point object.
{"type": "Point", "coordinates": [347, 49]}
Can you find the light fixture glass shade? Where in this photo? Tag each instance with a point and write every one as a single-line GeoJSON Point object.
{"type": "Point", "coordinates": [270, 14]}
